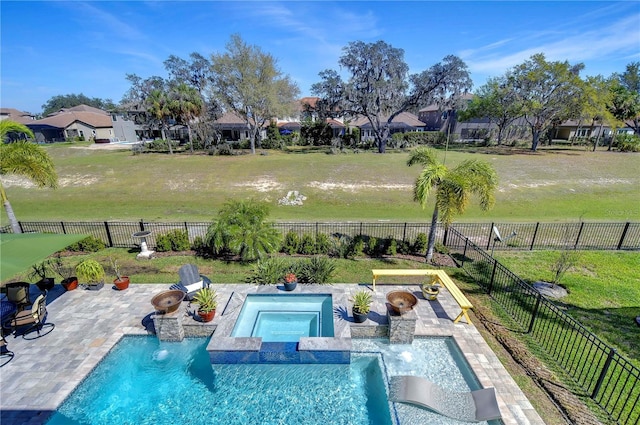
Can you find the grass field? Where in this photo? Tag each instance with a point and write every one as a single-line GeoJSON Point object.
{"type": "Point", "coordinates": [604, 291]}
{"type": "Point", "coordinates": [106, 184]}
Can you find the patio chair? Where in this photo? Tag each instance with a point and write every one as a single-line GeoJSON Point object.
{"type": "Point", "coordinates": [18, 293]}
{"type": "Point", "coordinates": [26, 321]}
{"type": "Point", "coordinates": [473, 406]}
{"type": "Point", "coordinates": [191, 281]}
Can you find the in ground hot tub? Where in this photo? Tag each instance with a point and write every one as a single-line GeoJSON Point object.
{"type": "Point", "coordinates": [275, 328]}
{"type": "Point", "coordinates": [285, 318]}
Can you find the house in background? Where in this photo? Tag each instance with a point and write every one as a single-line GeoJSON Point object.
{"type": "Point", "coordinates": [404, 122]}
{"type": "Point", "coordinates": [16, 115]}
{"type": "Point", "coordinates": [83, 122]}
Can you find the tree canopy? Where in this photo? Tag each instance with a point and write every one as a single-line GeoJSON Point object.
{"type": "Point", "coordinates": [247, 82]}
{"type": "Point", "coordinates": [70, 100]}
{"type": "Point", "coordinates": [546, 92]}
{"type": "Point", "coordinates": [380, 87]}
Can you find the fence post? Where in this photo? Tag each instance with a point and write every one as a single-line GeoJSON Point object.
{"type": "Point", "coordinates": [316, 230]}
{"type": "Point", "coordinates": [142, 225]}
{"type": "Point", "coordinates": [575, 245]}
{"type": "Point", "coordinates": [493, 274]}
{"type": "Point", "coordinates": [106, 227]}
{"type": "Point", "coordinates": [404, 232]}
{"type": "Point", "coordinates": [64, 230]}
{"type": "Point", "coordinates": [624, 234]}
{"type": "Point", "coordinates": [360, 228]}
{"type": "Point", "coordinates": [464, 252]}
{"type": "Point", "coordinates": [534, 313]}
{"type": "Point", "coordinates": [533, 239]}
{"type": "Point", "coordinates": [446, 235]}
{"type": "Point", "coordinates": [489, 238]}
{"type": "Point", "coordinates": [21, 228]}
{"type": "Point", "coordinates": [605, 369]}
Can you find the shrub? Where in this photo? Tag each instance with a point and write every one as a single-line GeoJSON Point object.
{"type": "Point", "coordinates": [340, 246]}
{"type": "Point", "coordinates": [391, 246]}
{"type": "Point", "coordinates": [628, 143]}
{"type": "Point", "coordinates": [200, 247]}
{"type": "Point", "coordinates": [269, 271]}
{"type": "Point", "coordinates": [420, 244]}
{"type": "Point", "coordinates": [315, 270]}
{"type": "Point", "coordinates": [88, 244]}
{"type": "Point", "coordinates": [356, 248]}
{"type": "Point", "coordinates": [175, 240]}
{"type": "Point", "coordinates": [323, 244]}
{"type": "Point", "coordinates": [307, 245]}
{"type": "Point", "coordinates": [291, 243]}
{"type": "Point", "coordinates": [372, 246]}
{"type": "Point", "coordinates": [404, 248]}
{"type": "Point", "coordinates": [440, 248]}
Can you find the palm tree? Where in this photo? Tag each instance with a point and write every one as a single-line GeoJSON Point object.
{"type": "Point", "coordinates": [158, 106]}
{"type": "Point", "coordinates": [187, 104]}
{"type": "Point", "coordinates": [26, 159]}
{"type": "Point", "coordinates": [453, 188]}
{"type": "Point", "coordinates": [241, 229]}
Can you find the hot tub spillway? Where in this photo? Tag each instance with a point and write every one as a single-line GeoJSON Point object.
{"type": "Point", "coordinates": [278, 328]}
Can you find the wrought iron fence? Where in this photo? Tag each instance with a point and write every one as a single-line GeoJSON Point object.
{"type": "Point", "coordinates": [611, 380]}
{"type": "Point", "coordinates": [528, 236]}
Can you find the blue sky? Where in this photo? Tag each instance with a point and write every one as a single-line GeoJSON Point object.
{"type": "Point", "coordinates": [51, 48]}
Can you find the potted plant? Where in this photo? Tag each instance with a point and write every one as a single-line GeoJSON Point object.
{"type": "Point", "coordinates": [430, 288]}
{"type": "Point", "coordinates": [40, 271]}
{"type": "Point", "coordinates": [91, 272]}
{"type": "Point", "coordinates": [207, 300]}
{"type": "Point", "coordinates": [66, 272]}
{"type": "Point", "coordinates": [290, 281]}
{"type": "Point", "coordinates": [121, 282]}
{"type": "Point", "coordinates": [361, 305]}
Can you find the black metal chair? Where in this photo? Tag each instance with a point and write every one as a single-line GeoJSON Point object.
{"type": "Point", "coordinates": [18, 293]}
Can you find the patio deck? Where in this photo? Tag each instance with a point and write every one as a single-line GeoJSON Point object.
{"type": "Point", "coordinates": [89, 323]}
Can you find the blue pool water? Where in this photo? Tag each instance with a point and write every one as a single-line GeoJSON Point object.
{"type": "Point", "coordinates": [144, 381]}
{"type": "Point", "coordinates": [285, 317]}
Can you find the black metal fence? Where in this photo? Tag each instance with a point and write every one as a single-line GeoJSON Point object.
{"type": "Point", "coordinates": [611, 380]}
{"type": "Point", "coordinates": [528, 236]}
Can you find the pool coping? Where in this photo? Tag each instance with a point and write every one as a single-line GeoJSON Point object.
{"type": "Point", "coordinates": [45, 371]}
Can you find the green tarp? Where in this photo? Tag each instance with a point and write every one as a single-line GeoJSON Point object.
{"type": "Point", "coordinates": [18, 252]}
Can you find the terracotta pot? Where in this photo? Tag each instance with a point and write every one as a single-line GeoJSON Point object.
{"type": "Point", "coordinates": [70, 283]}
{"type": "Point", "coordinates": [208, 316]}
{"type": "Point", "coordinates": [122, 283]}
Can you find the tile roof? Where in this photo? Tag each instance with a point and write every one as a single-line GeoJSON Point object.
{"type": "Point", "coordinates": [66, 118]}
{"type": "Point", "coordinates": [16, 115]}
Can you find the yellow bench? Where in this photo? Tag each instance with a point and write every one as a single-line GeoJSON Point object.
{"type": "Point", "coordinates": [443, 278]}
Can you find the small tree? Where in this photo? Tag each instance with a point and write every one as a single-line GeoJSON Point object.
{"type": "Point", "coordinates": [241, 229]}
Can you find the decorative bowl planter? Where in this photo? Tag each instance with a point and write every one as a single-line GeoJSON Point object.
{"type": "Point", "coordinates": [45, 284]}
{"type": "Point", "coordinates": [401, 301]}
{"type": "Point", "coordinates": [167, 301]}
{"type": "Point", "coordinates": [122, 283]}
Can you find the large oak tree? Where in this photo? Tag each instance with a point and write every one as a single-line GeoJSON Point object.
{"type": "Point", "coordinates": [380, 87]}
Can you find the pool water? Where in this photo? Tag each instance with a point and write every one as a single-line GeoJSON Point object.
{"type": "Point", "coordinates": [145, 381]}
{"type": "Point", "coordinates": [285, 317]}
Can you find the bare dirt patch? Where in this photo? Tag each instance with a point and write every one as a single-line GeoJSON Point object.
{"type": "Point", "coordinates": [354, 187]}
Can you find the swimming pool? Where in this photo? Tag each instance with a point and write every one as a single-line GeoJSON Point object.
{"type": "Point", "coordinates": [285, 318]}
{"type": "Point", "coordinates": [144, 381]}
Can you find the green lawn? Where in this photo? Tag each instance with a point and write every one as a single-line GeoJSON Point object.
{"type": "Point", "coordinates": [604, 291]}
{"type": "Point", "coordinates": [103, 184]}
